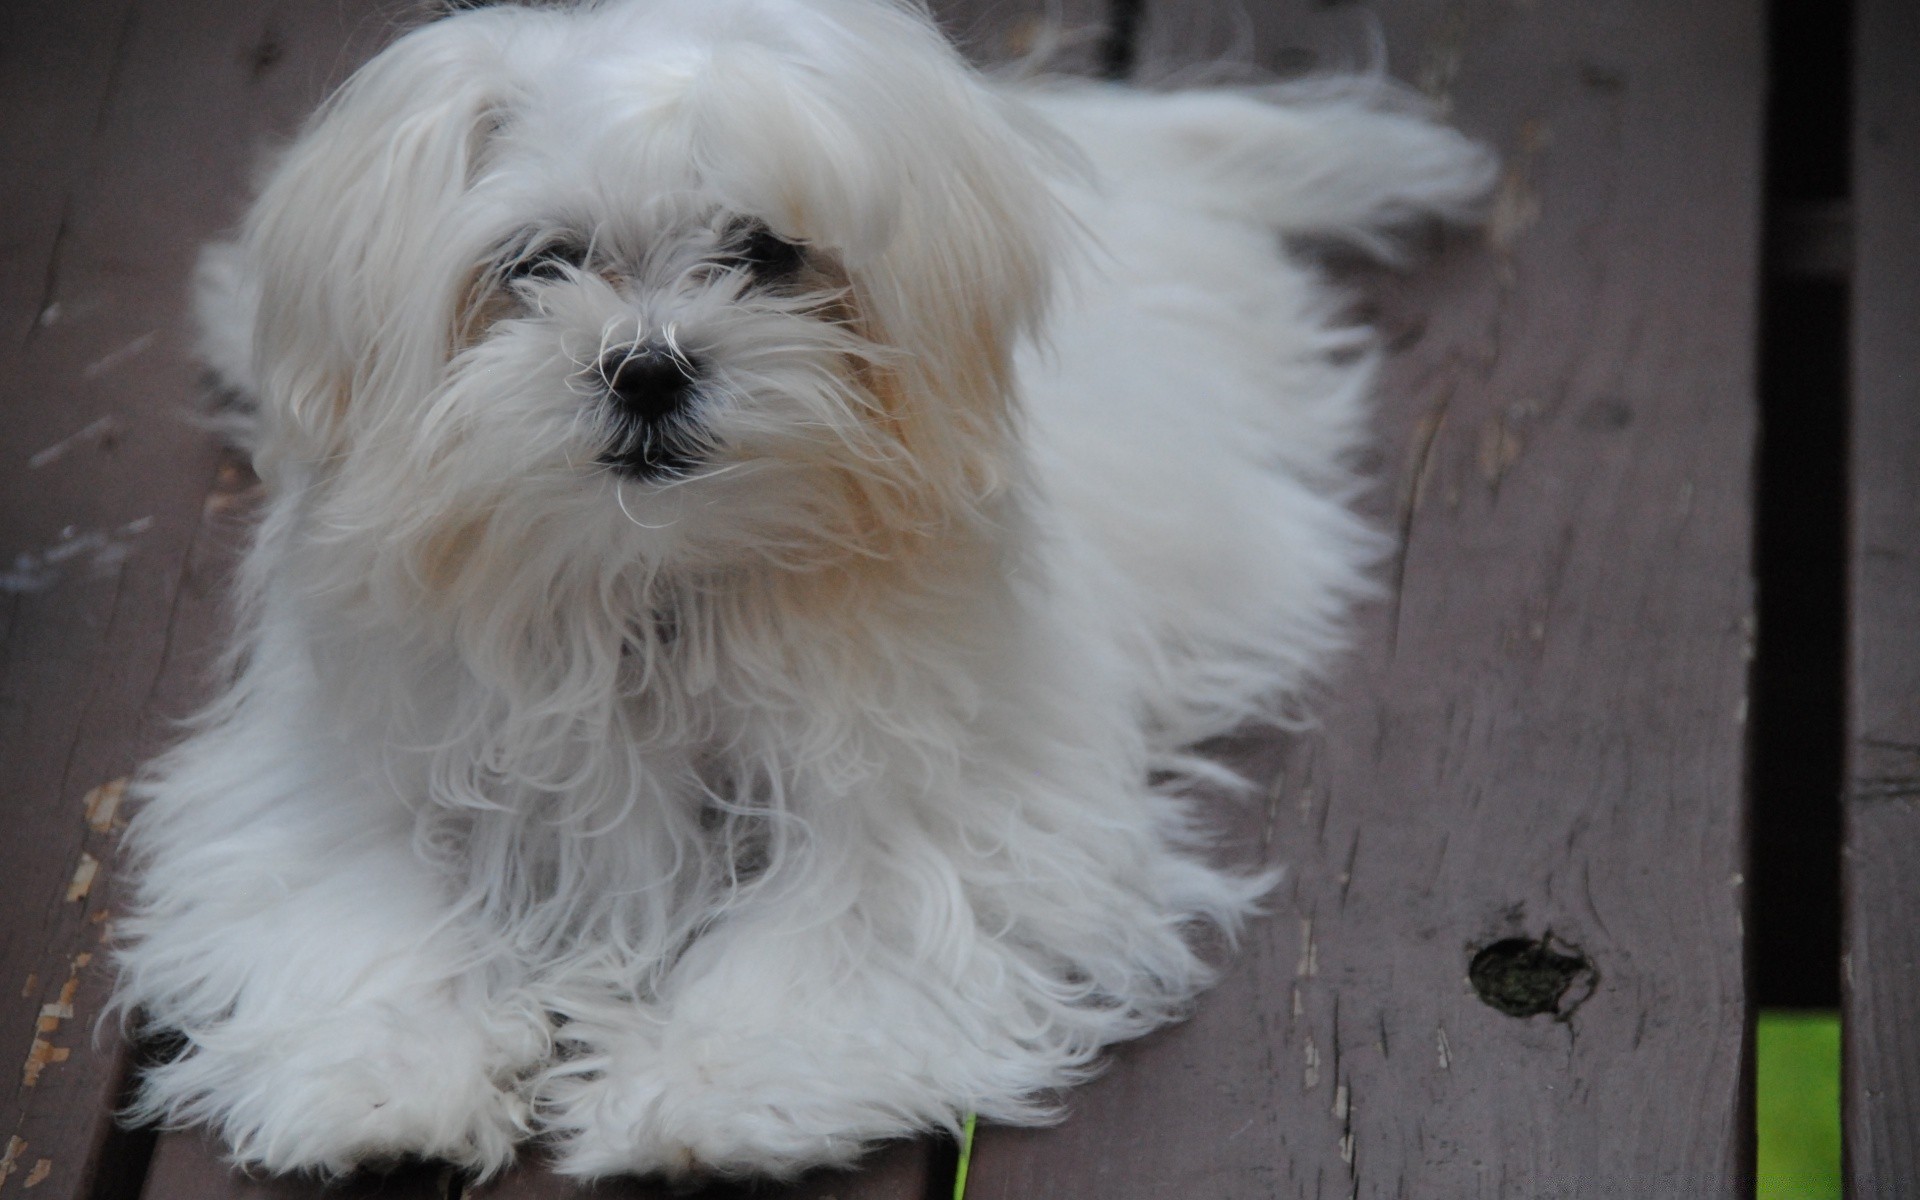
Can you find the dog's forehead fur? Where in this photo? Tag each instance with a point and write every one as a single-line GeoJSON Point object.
{"type": "Point", "coordinates": [821, 120]}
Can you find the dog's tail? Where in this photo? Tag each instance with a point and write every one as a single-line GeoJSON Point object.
{"type": "Point", "coordinates": [226, 303]}
{"type": "Point", "coordinates": [1351, 159]}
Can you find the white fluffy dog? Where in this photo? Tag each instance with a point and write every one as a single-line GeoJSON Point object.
{"type": "Point", "coordinates": [756, 513]}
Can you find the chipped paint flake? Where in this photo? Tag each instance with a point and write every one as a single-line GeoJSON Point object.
{"type": "Point", "coordinates": [10, 1161]}
{"type": "Point", "coordinates": [38, 1175]}
{"type": "Point", "coordinates": [31, 986]}
{"type": "Point", "coordinates": [61, 1009]}
{"type": "Point", "coordinates": [1341, 1105]}
{"type": "Point", "coordinates": [103, 804]}
{"type": "Point", "coordinates": [1311, 1076]}
{"type": "Point", "coordinates": [100, 431]}
{"type": "Point", "coordinates": [107, 362]}
{"type": "Point", "coordinates": [83, 876]}
{"type": "Point", "coordinates": [102, 551]}
{"type": "Point", "coordinates": [1446, 1054]}
{"type": "Point", "coordinates": [42, 1055]}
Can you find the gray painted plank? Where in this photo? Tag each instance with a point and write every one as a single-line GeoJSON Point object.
{"type": "Point", "coordinates": [901, 1171]}
{"type": "Point", "coordinates": [1882, 959]}
{"type": "Point", "coordinates": [1543, 732]}
{"type": "Point", "coordinates": [119, 155]}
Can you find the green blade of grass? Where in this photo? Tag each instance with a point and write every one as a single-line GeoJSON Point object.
{"type": "Point", "coordinates": [966, 1160]}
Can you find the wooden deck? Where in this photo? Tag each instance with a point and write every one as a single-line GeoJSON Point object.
{"type": "Point", "coordinates": [1534, 773]}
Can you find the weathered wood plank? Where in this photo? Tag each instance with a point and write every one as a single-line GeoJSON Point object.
{"type": "Point", "coordinates": [111, 171]}
{"type": "Point", "coordinates": [190, 1166]}
{"type": "Point", "coordinates": [902, 1171]}
{"type": "Point", "coordinates": [56, 71]}
{"type": "Point", "coordinates": [1543, 732]}
{"type": "Point", "coordinates": [1882, 962]}
{"type": "Point", "coordinates": [122, 152]}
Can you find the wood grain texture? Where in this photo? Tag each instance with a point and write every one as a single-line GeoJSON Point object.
{"type": "Point", "coordinates": [1543, 731]}
{"type": "Point", "coordinates": [1881, 973]}
{"type": "Point", "coordinates": [120, 153]}
{"type": "Point", "coordinates": [190, 1166]}
{"type": "Point", "coordinates": [899, 1171]}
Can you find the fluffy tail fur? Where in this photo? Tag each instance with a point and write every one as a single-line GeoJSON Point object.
{"type": "Point", "coordinates": [1350, 159]}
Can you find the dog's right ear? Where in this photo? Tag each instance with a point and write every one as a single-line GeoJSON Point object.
{"type": "Point", "coordinates": [349, 239]}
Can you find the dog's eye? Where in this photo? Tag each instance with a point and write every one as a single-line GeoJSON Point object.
{"type": "Point", "coordinates": [765, 255]}
{"type": "Point", "coordinates": [547, 262]}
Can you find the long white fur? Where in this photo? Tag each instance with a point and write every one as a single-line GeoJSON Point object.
{"type": "Point", "coordinates": [730, 823]}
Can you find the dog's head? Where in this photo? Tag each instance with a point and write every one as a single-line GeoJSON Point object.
{"type": "Point", "coordinates": [668, 283]}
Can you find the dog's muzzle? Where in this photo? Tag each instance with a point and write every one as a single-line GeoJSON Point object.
{"type": "Point", "coordinates": [650, 394]}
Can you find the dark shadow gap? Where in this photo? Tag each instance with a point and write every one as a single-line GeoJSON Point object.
{"type": "Point", "coordinates": [1120, 49]}
{"type": "Point", "coordinates": [1798, 684]}
{"type": "Point", "coordinates": [120, 1166]}
{"type": "Point", "coordinates": [943, 1165]}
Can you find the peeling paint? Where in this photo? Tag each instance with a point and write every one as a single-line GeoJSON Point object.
{"type": "Point", "coordinates": [1340, 1101]}
{"type": "Point", "coordinates": [83, 877]}
{"type": "Point", "coordinates": [10, 1161]}
{"type": "Point", "coordinates": [60, 1010]}
{"type": "Point", "coordinates": [103, 804]}
{"type": "Point", "coordinates": [42, 1055]}
{"type": "Point", "coordinates": [113, 358]}
{"type": "Point", "coordinates": [38, 1176]}
{"type": "Point", "coordinates": [1446, 1054]}
{"type": "Point", "coordinates": [1311, 1076]}
{"type": "Point", "coordinates": [102, 550]}
{"type": "Point", "coordinates": [31, 986]}
{"type": "Point", "coordinates": [100, 432]}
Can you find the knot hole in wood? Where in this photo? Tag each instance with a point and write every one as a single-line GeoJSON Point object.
{"type": "Point", "coordinates": [1523, 977]}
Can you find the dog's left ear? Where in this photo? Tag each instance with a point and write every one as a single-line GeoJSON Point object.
{"type": "Point", "coordinates": [964, 278]}
{"type": "Point", "coordinates": [933, 194]}
{"type": "Point", "coordinates": [349, 237]}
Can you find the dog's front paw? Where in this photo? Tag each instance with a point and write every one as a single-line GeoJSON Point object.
{"type": "Point", "coordinates": [704, 1106]}
{"type": "Point", "coordinates": [351, 1088]}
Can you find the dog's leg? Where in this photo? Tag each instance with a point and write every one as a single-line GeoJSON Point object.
{"type": "Point", "coordinates": [789, 1039]}
{"type": "Point", "coordinates": [950, 933]}
{"type": "Point", "coordinates": [330, 1008]}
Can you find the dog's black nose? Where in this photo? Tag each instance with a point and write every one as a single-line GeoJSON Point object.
{"type": "Point", "coordinates": [649, 382]}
